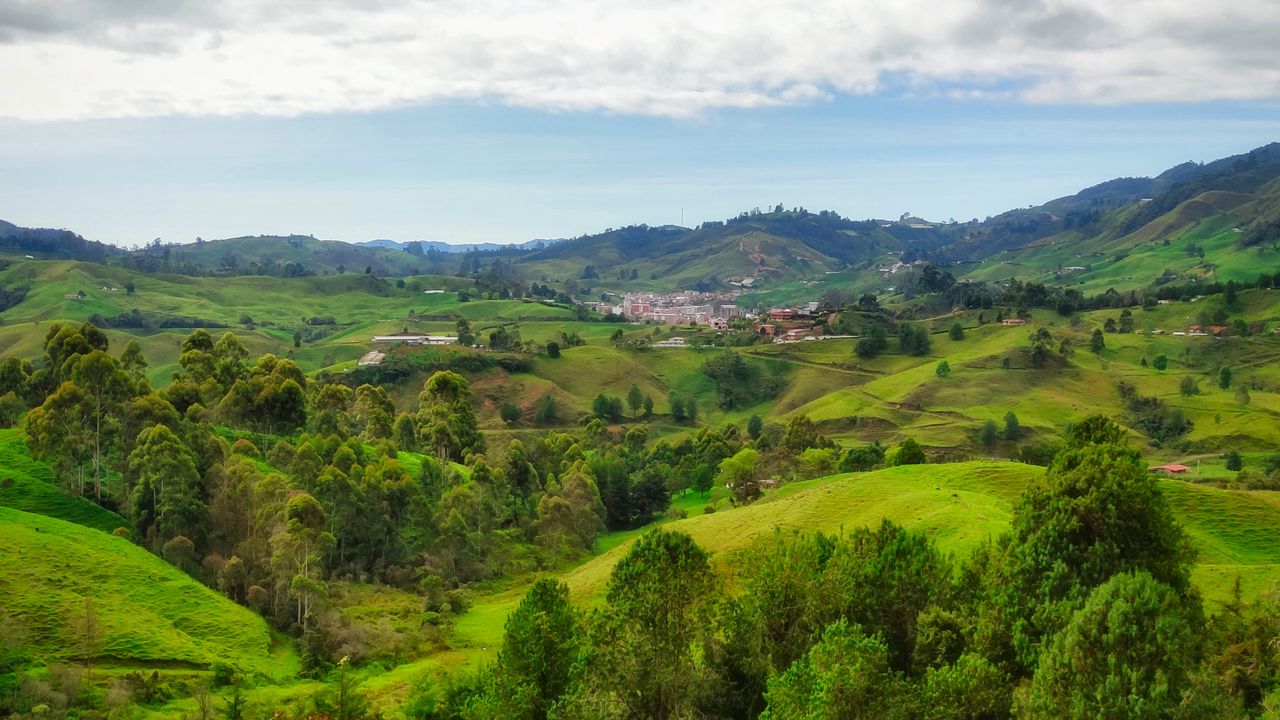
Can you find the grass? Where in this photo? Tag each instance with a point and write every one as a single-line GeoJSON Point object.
{"type": "Point", "coordinates": [958, 505]}
{"type": "Point", "coordinates": [149, 613]}
{"type": "Point", "coordinates": [28, 485]}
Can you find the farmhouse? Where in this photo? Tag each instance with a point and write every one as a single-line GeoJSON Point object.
{"type": "Point", "coordinates": [672, 342]}
{"type": "Point", "coordinates": [782, 314]}
{"type": "Point", "coordinates": [414, 339]}
{"type": "Point", "coordinates": [373, 357]}
{"type": "Point", "coordinates": [1013, 322]}
{"type": "Point", "coordinates": [1171, 469]}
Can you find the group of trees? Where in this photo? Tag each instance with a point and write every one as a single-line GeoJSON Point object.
{"type": "Point", "coordinates": [1083, 609]}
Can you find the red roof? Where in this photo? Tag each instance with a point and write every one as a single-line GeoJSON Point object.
{"type": "Point", "coordinates": [1172, 467]}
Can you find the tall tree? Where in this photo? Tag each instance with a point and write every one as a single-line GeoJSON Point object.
{"type": "Point", "coordinates": [650, 644]}
{"type": "Point", "coordinates": [168, 499]}
{"type": "Point", "coordinates": [1129, 652]}
{"type": "Point", "coordinates": [446, 422]}
{"type": "Point", "coordinates": [539, 650]}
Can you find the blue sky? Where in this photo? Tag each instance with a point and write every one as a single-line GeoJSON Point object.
{"type": "Point", "coordinates": [486, 173]}
{"type": "Point", "coordinates": [502, 121]}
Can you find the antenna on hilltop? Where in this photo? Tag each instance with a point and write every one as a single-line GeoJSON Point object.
{"type": "Point", "coordinates": [681, 217]}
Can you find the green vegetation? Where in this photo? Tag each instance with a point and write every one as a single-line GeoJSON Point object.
{"type": "Point", "coordinates": [194, 470]}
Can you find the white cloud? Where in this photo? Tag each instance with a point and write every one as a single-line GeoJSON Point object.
{"type": "Point", "coordinates": [76, 59]}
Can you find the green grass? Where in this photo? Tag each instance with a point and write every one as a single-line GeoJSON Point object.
{"type": "Point", "coordinates": [959, 505]}
{"type": "Point", "coordinates": [29, 485]}
{"type": "Point", "coordinates": [149, 613]}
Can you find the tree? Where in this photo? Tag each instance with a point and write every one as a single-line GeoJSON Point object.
{"type": "Point", "coordinates": [876, 342]}
{"type": "Point", "coordinates": [635, 400]}
{"type": "Point", "coordinates": [943, 370]}
{"type": "Point", "coordinates": [910, 453]}
{"type": "Point", "coordinates": [1041, 342]}
{"type": "Point", "coordinates": [510, 413]}
{"type": "Point", "coordinates": [553, 349]}
{"type": "Point", "coordinates": [405, 433]}
{"type": "Point", "coordinates": [132, 361]}
{"type": "Point", "coordinates": [1129, 652]}
{"type": "Point", "coordinates": [1242, 395]}
{"type": "Point", "coordinates": [677, 408]}
{"type": "Point", "coordinates": [1160, 362]}
{"type": "Point", "coordinates": [754, 426]}
{"type": "Point", "coordinates": [1012, 430]}
{"type": "Point", "coordinates": [297, 338]}
{"type": "Point", "coordinates": [446, 422]}
{"type": "Point", "coordinates": [1224, 378]}
{"type": "Point", "coordinates": [466, 338]}
{"type": "Point", "coordinates": [861, 459]}
{"type": "Point", "coordinates": [168, 498]}
{"type": "Point", "coordinates": [374, 412]}
{"type": "Point", "coordinates": [1233, 461]}
{"type": "Point", "coordinates": [1188, 386]}
{"type": "Point", "coordinates": [989, 435]}
{"type": "Point", "coordinates": [1126, 321]}
{"type": "Point", "coordinates": [650, 644]}
{"type": "Point", "coordinates": [548, 411]}
{"type": "Point", "coordinates": [607, 408]}
{"type": "Point", "coordinates": [956, 332]}
{"type": "Point", "coordinates": [1097, 343]}
{"type": "Point", "coordinates": [105, 388]}
{"type": "Point", "coordinates": [1098, 513]}
{"type": "Point", "coordinates": [540, 647]}
{"type": "Point", "coordinates": [297, 553]}
{"type": "Point", "coordinates": [846, 676]}
{"type": "Point", "coordinates": [648, 406]}
{"type": "Point", "coordinates": [913, 340]}
{"type": "Point", "coordinates": [738, 474]}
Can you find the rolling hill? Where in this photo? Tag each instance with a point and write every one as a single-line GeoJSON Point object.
{"type": "Point", "coordinates": [148, 613]}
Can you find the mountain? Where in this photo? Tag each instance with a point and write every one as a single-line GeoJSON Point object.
{"type": "Point", "coordinates": [454, 247]}
{"type": "Point", "coordinates": [47, 242]}
{"type": "Point", "coordinates": [1223, 205]}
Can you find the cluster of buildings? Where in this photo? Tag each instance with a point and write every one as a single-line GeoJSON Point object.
{"type": "Point", "coordinates": [685, 307]}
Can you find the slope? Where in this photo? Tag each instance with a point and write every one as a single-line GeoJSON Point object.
{"type": "Point", "coordinates": [960, 505]}
{"type": "Point", "coordinates": [148, 613]}
{"type": "Point", "coordinates": [29, 486]}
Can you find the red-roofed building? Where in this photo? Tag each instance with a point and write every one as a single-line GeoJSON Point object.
{"type": "Point", "coordinates": [1171, 469]}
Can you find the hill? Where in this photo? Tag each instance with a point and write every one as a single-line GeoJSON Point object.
{"type": "Point", "coordinates": [148, 613]}
{"type": "Point", "coordinates": [959, 506]}
{"type": "Point", "coordinates": [29, 486]}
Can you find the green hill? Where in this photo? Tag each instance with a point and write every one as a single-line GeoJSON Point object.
{"type": "Point", "coordinates": [960, 505]}
{"type": "Point", "coordinates": [148, 613]}
{"type": "Point", "coordinates": [29, 486]}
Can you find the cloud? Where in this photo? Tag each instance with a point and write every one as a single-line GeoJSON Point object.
{"type": "Point", "coordinates": [77, 59]}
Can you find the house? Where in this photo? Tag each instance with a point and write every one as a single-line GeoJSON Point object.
{"type": "Point", "coordinates": [1171, 469]}
{"type": "Point", "coordinates": [373, 357]}
{"type": "Point", "coordinates": [414, 339]}
{"type": "Point", "coordinates": [782, 314]}
{"type": "Point", "coordinates": [1013, 322]}
{"type": "Point", "coordinates": [718, 323]}
{"type": "Point", "coordinates": [671, 342]}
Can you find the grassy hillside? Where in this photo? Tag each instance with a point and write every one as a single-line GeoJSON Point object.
{"type": "Point", "coordinates": [149, 613]}
{"type": "Point", "coordinates": [29, 486]}
{"type": "Point", "coordinates": [959, 506]}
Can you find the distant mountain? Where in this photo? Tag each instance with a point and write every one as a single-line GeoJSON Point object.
{"type": "Point", "coordinates": [1240, 192]}
{"type": "Point", "coordinates": [455, 247]}
{"type": "Point", "coordinates": [47, 242]}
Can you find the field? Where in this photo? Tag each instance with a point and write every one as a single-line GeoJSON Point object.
{"type": "Point", "coordinates": [959, 506]}
{"type": "Point", "coordinates": [147, 613]}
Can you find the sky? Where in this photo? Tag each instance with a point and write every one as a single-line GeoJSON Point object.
{"type": "Point", "coordinates": [509, 120]}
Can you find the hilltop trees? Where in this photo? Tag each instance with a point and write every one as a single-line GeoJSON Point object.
{"type": "Point", "coordinates": [446, 423]}
{"type": "Point", "coordinates": [1098, 514]}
